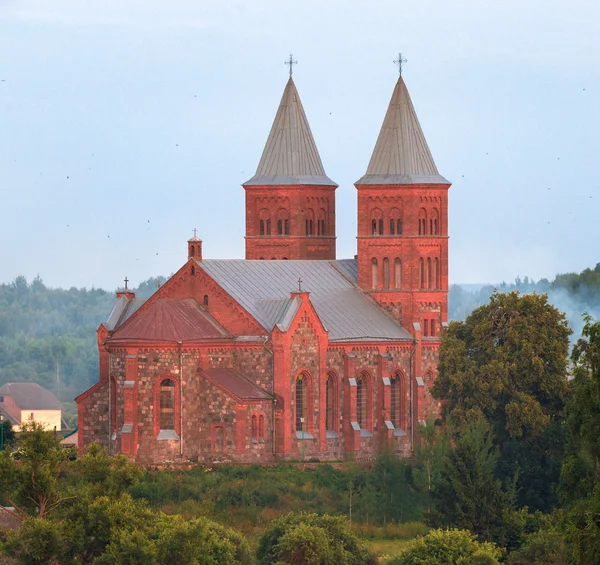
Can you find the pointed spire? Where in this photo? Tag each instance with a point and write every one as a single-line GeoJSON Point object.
{"type": "Point", "coordinates": [401, 154]}
{"type": "Point", "coordinates": [290, 155]}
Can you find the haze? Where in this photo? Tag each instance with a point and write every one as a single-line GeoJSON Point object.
{"type": "Point", "coordinates": [124, 125]}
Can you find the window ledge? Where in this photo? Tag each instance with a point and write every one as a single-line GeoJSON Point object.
{"type": "Point", "coordinates": [166, 435]}
{"type": "Point", "coordinates": [330, 434]}
{"type": "Point", "coordinates": [304, 435]}
{"type": "Point", "coordinates": [399, 433]}
{"type": "Point", "coordinates": [365, 433]}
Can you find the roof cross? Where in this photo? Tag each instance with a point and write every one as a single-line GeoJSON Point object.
{"type": "Point", "coordinates": [195, 231]}
{"type": "Point", "coordinates": [400, 61]}
{"type": "Point", "coordinates": [126, 281]}
{"type": "Point", "coordinates": [299, 284]}
{"type": "Point", "coordinates": [291, 63]}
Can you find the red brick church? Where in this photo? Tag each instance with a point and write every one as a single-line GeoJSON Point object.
{"type": "Point", "coordinates": [291, 352]}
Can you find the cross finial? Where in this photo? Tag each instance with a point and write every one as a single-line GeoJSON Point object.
{"type": "Point", "coordinates": [299, 284]}
{"type": "Point", "coordinates": [400, 61]}
{"type": "Point", "coordinates": [195, 231]}
{"type": "Point", "coordinates": [291, 63]}
{"type": "Point", "coordinates": [126, 281]}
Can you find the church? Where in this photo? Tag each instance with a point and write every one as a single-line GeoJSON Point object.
{"type": "Point", "coordinates": [290, 353]}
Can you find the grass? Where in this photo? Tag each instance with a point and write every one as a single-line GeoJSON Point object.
{"type": "Point", "coordinates": [387, 548]}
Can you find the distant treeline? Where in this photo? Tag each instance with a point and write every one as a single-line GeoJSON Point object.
{"type": "Point", "coordinates": [48, 335]}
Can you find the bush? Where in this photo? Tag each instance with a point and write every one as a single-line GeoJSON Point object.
{"type": "Point", "coordinates": [442, 547]}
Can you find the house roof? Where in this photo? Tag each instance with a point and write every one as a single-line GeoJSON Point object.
{"type": "Point", "coordinates": [31, 396]}
{"type": "Point", "coordinates": [123, 309]}
{"type": "Point", "coordinates": [401, 154]}
{"type": "Point", "coordinates": [8, 416]}
{"type": "Point", "coordinates": [172, 320]}
{"type": "Point", "coordinates": [290, 155]}
{"type": "Point", "coordinates": [237, 384]}
{"type": "Point", "coordinates": [263, 288]}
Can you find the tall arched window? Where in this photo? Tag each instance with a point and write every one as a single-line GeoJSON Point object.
{"type": "Point", "coordinates": [264, 222]}
{"type": "Point", "coordinates": [192, 251]}
{"type": "Point", "coordinates": [283, 222]}
{"type": "Point", "coordinates": [395, 216]}
{"type": "Point", "coordinates": [386, 273]}
{"type": "Point", "coordinates": [376, 222]}
{"type": "Point", "coordinates": [434, 222]}
{"type": "Point", "coordinates": [428, 276]}
{"type": "Point", "coordinates": [421, 273]}
{"type": "Point", "coordinates": [399, 227]}
{"type": "Point", "coordinates": [361, 401]}
{"type": "Point", "coordinates": [261, 427]}
{"type": "Point", "coordinates": [381, 227]}
{"type": "Point", "coordinates": [254, 427]}
{"type": "Point", "coordinates": [219, 439]}
{"type": "Point", "coordinates": [321, 222]}
{"type": "Point", "coordinates": [262, 227]}
{"type": "Point", "coordinates": [330, 415]}
{"type": "Point", "coordinates": [398, 273]}
{"type": "Point", "coordinates": [205, 300]}
{"type": "Point", "coordinates": [374, 273]}
{"type": "Point", "coordinates": [373, 227]}
{"type": "Point", "coordinates": [279, 227]}
{"type": "Point", "coordinates": [268, 227]}
{"type": "Point", "coordinates": [167, 404]}
{"type": "Point", "coordinates": [286, 226]}
{"type": "Point", "coordinates": [396, 400]}
{"type": "Point", "coordinates": [436, 273]}
{"type": "Point", "coordinates": [422, 222]}
{"type": "Point", "coordinates": [310, 218]}
{"type": "Point", "coordinates": [301, 401]}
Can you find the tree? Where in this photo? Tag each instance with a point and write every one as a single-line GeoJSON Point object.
{"type": "Point", "coordinates": [443, 547]}
{"type": "Point", "coordinates": [8, 435]}
{"type": "Point", "coordinates": [507, 362]}
{"type": "Point", "coordinates": [430, 452]}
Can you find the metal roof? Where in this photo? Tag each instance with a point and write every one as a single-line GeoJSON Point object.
{"type": "Point", "coordinates": [123, 309]}
{"type": "Point", "coordinates": [237, 384]}
{"type": "Point", "coordinates": [290, 155]}
{"type": "Point", "coordinates": [172, 320]}
{"type": "Point", "coordinates": [401, 154]}
{"type": "Point", "coordinates": [343, 309]}
{"type": "Point", "coordinates": [30, 396]}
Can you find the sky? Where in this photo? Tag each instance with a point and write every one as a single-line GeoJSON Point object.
{"type": "Point", "coordinates": [126, 124]}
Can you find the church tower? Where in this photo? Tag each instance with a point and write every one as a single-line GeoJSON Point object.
{"type": "Point", "coordinates": [290, 201]}
{"type": "Point", "coordinates": [403, 222]}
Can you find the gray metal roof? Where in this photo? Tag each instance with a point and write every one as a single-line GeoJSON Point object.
{"type": "Point", "coordinates": [290, 155]}
{"type": "Point", "coordinates": [123, 309]}
{"type": "Point", "coordinates": [401, 154]}
{"type": "Point", "coordinates": [263, 288]}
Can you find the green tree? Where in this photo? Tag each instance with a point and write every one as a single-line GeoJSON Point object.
{"type": "Point", "coordinates": [8, 435]}
{"type": "Point", "coordinates": [466, 494]}
{"type": "Point", "coordinates": [507, 362]}
{"type": "Point", "coordinates": [39, 541]}
{"type": "Point", "coordinates": [446, 547]}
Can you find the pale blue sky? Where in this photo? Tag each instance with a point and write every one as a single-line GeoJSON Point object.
{"type": "Point", "coordinates": [126, 123]}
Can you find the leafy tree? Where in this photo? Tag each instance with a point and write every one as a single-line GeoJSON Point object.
{"type": "Point", "coordinates": [445, 547]}
{"type": "Point", "coordinates": [545, 546]}
{"type": "Point", "coordinates": [344, 546]}
{"type": "Point", "coordinates": [467, 495]}
{"type": "Point", "coordinates": [8, 433]}
{"type": "Point", "coordinates": [39, 541]}
{"type": "Point", "coordinates": [507, 362]}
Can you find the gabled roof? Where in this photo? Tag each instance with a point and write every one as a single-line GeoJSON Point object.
{"type": "Point", "coordinates": [171, 320]}
{"type": "Point", "coordinates": [401, 154]}
{"type": "Point", "coordinates": [123, 309]}
{"type": "Point", "coordinates": [263, 289]}
{"type": "Point", "coordinates": [290, 155]}
{"type": "Point", "coordinates": [30, 396]}
{"type": "Point", "coordinates": [7, 416]}
{"type": "Point", "coordinates": [236, 384]}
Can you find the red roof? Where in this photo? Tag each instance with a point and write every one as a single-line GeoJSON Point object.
{"type": "Point", "coordinates": [236, 384]}
{"type": "Point", "coordinates": [171, 320]}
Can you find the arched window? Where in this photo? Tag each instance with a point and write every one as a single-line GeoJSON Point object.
{"type": "Point", "coordinates": [261, 427]}
{"type": "Point", "coordinates": [331, 403]}
{"type": "Point", "coordinates": [264, 222]}
{"type": "Point", "coordinates": [167, 404]}
{"type": "Point", "coordinates": [279, 227]}
{"type": "Point", "coordinates": [376, 222]}
{"type": "Point", "coordinates": [396, 400]}
{"type": "Point", "coordinates": [421, 273]}
{"type": "Point", "coordinates": [434, 222]}
{"type": "Point", "coordinates": [398, 273]}
{"type": "Point", "coordinates": [361, 401]}
{"type": "Point", "coordinates": [261, 258]}
{"type": "Point", "coordinates": [254, 427]}
{"type": "Point", "coordinates": [422, 222]}
{"type": "Point", "coordinates": [392, 227]}
{"type": "Point", "coordinates": [301, 401]}
{"type": "Point", "coordinates": [286, 225]}
{"type": "Point", "coordinates": [425, 327]}
{"type": "Point", "coordinates": [436, 273]}
{"type": "Point", "coordinates": [283, 222]}
{"type": "Point", "coordinates": [321, 222]}
{"type": "Point", "coordinates": [432, 331]}
{"type": "Point", "coordinates": [193, 271]}
{"type": "Point", "coordinates": [399, 227]}
{"type": "Point", "coordinates": [262, 227]}
{"type": "Point", "coordinates": [386, 273]}
{"type": "Point", "coordinates": [429, 281]}
{"type": "Point", "coordinates": [192, 251]}
{"type": "Point", "coordinates": [268, 227]}
{"type": "Point", "coordinates": [374, 273]}
{"type": "Point", "coordinates": [205, 300]}
{"type": "Point", "coordinates": [310, 218]}
{"type": "Point", "coordinates": [395, 216]}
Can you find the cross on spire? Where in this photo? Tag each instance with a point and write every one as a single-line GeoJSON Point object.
{"type": "Point", "coordinates": [195, 231]}
{"type": "Point", "coordinates": [291, 63]}
{"type": "Point", "coordinates": [400, 61]}
{"type": "Point", "coordinates": [126, 281]}
{"type": "Point", "coordinates": [299, 284]}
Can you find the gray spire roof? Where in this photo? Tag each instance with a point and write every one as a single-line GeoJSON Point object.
{"type": "Point", "coordinates": [290, 155]}
{"type": "Point", "coordinates": [401, 154]}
